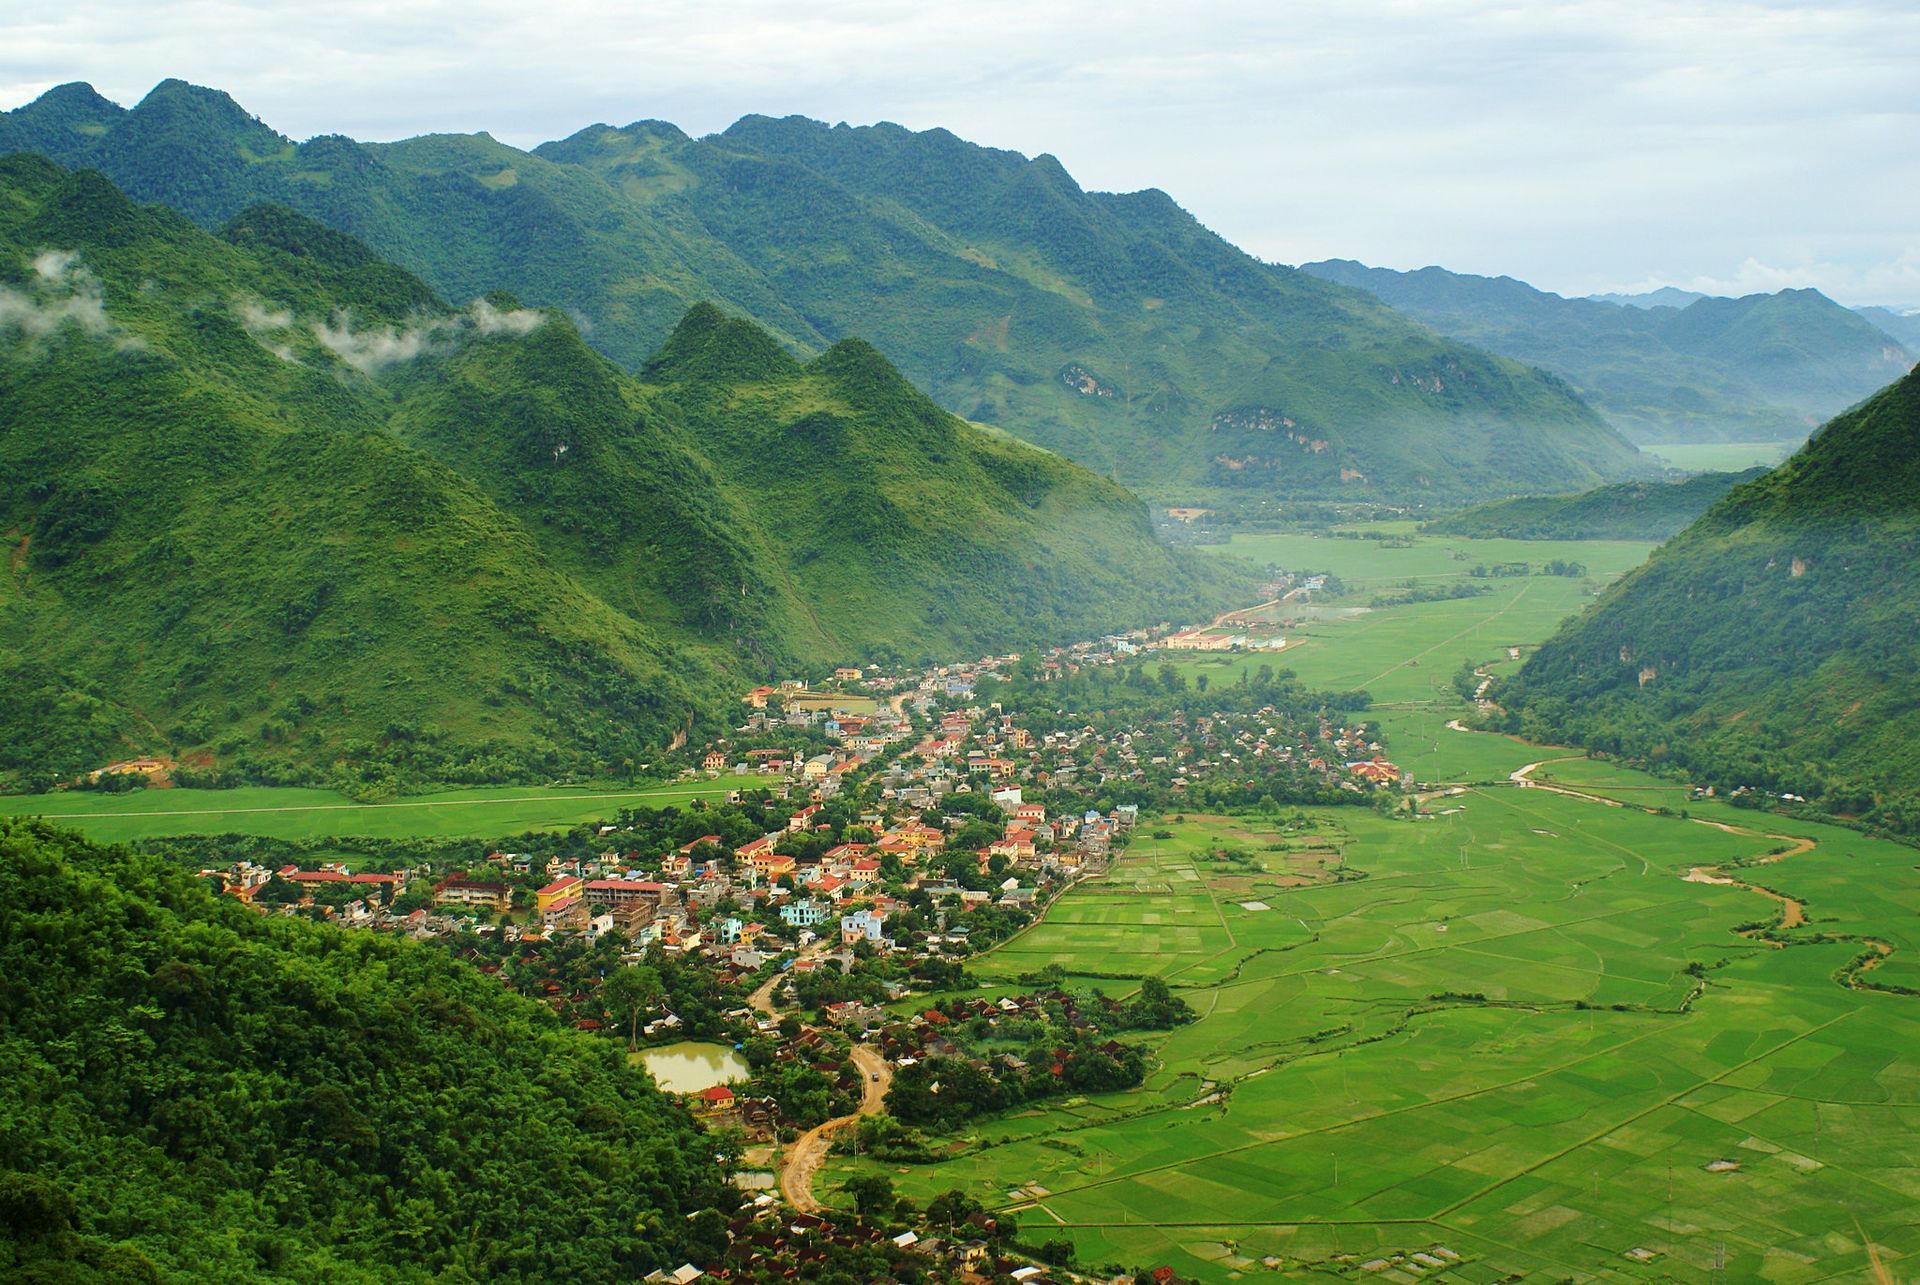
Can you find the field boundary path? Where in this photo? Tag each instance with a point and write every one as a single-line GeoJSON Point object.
{"type": "Point", "coordinates": [1793, 913]}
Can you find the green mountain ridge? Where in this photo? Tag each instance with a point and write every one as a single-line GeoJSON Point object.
{"type": "Point", "coordinates": [273, 508]}
{"type": "Point", "coordinates": [1775, 643]}
{"type": "Point", "coordinates": [1114, 330]}
{"type": "Point", "coordinates": [1765, 367]}
{"type": "Point", "coordinates": [198, 1092]}
{"type": "Point", "coordinates": [1620, 511]}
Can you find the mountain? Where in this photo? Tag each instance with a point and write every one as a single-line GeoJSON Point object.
{"type": "Point", "coordinates": [198, 1092]}
{"type": "Point", "coordinates": [1903, 325]}
{"type": "Point", "coordinates": [1664, 297]}
{"type": "Point", "coordinates": [1619, 511]}
{"type": "Point", "coordinates": [275, 509]}
{"type": "Point", "coordinates": [1775, 643]}
{"type": "Point", "coordinates": [1762, 368]}
{"type": "Point", "coordinates": [1112, 329]}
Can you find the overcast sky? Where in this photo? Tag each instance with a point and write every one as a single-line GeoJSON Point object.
{"type": "Point", "coordinates": [1583, 146]}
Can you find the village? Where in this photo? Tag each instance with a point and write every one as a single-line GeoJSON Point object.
{"type": "Point", "coordinates": [893, 826]}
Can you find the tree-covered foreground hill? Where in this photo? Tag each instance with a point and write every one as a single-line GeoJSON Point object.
{"type": "Point", "coordinates": [272, 507]}
{"type": "Point", "coordinates": [195, 1092]}
{"type": "Point", "coordinates": [1775, 643]}
{"type": "Point", "coordinates": [1114, 329]}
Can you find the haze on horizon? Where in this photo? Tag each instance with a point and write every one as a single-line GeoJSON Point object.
{"type": "Point", "coordinates": [1728, 146]}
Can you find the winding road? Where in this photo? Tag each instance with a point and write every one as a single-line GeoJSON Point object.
{"type": "Point", "coordinates": [803, 1157]}
{"type": "Point", "coordinates": [800, 1161]}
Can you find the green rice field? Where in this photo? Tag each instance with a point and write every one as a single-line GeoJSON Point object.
{"type": "Point", "coordinates": [1723, 457]}
{"type": "Point", "coordinates": [477, 813]}
{"type": "Point", "coordinates": [1511, 1039]}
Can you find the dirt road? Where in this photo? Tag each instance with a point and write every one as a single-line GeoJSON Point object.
{"type": "Point", "coordinates": [809, 1151]}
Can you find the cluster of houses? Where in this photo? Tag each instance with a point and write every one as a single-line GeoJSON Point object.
{"type": "Point", "coordinates": [769, 1243]}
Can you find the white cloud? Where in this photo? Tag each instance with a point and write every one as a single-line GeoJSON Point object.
{"type": "Point", "coordinates": [372, 350]}
{"type": "Point", "coordinates": [62, 293]}
{"type": "Point", "coordinates": [489, 320]}
{"type": "Point", "coordinates": [1571, 142]}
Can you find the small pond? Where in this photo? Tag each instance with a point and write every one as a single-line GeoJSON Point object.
{"type": "Point", "coordinates": [692, 1065]}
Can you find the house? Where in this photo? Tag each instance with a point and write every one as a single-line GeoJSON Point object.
{"type": "Point", "coordinates": [713, 1101]}
{"type": "Point", "coordinates": [848, 674]}
{"type": "Point", "coordinates": [1377, 771]}
{"type": "Point", "coordinates": [803, 819]}
{"type": "Point", "coordinates": [868, 924]}
{"type": "Point", "coordinates": [565, 888]}
{"type": "Point", "coordinates": [1016, 845]}
{"type": "Point", "coordinates": [803, 914]}
{"type": "Point", "coordinates": [569, 914]}
{"type": "Point", "coordinates": [757, 698]}
{"type": "Point", "coordinates": [472, 892]}
{"type": "Point", "coordinates": [616, 894]}
{"type": "Point", "coordinates": [770, 865]}
{"type": "Point", "coordinates": [714, 761]}
{"type": "Point", "coordinates": [630, 919]}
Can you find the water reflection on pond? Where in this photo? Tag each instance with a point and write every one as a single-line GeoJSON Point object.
{"type": "Point", "coordinates": [691, 1065]}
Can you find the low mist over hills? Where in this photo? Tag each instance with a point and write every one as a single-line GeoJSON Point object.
{"type": "Point", "coordinates": [1775, 643]}
{"type": "Point", "coordinates": [275, 508]}
{"type": "Point", "coordinates": [1671, 366]}
{"type": "Point", "coordinates": [1113, 329]}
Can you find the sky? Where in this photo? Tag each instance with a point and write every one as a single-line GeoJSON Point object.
{"type": "Point", "coordinates": [1582, 145]}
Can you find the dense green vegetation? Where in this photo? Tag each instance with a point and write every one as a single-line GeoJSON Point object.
{"type": "Point", "coordinates": [1112, 329]}
{"type": "Point", "coordinates": [271, 508]}
{"type": "Point", "coordinates": [228, 1096]}
{"type": "Point", "coordinates": [1759, 368]}
{"type": "Point", "coordinates": [1621, 511]}
{"type": "Point", "coordinates": [1775, 643]}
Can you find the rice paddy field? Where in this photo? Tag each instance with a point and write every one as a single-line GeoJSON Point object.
{"type": "Point", "coordinates": [311, 814]}
{"type": "Point", "coordinates": [1532, 1034]}
{"type": "Point", "coordinates": [1722, 457]}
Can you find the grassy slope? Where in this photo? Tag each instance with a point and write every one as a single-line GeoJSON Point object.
{"type": "Point", "coordinates": [1622, 511]}
{"type": "Point", "coordinates": [483, 553]}
{"type": "Point", "coordinates": [992, 280]}
{"type": "Point", "coordinates": [1763, 367]}
{"type": "Point", "coordinates": [1777, 634]}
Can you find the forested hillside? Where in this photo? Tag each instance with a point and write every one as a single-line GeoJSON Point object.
{"type": "Point", "coordinates": [275, 509]}
{"type": "Point", "coordinates": [1774, 644]}
{"type": "Point", "coordinates": [1620, 511]}
{"type": "Point", "coordinates": [1113, 329]}
{"type": "Point", "coordinates": [1767, 367]}
{"type": "Point", "coordinates": [195, 1092]}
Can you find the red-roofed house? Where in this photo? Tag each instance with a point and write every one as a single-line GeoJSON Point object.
{"type": "Point", "coordinates": [565, 888]}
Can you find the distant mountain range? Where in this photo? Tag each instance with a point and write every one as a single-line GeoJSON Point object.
{"type": "Point", "coordinates": [272, 506]}
{"type": "Point", "coordinates": [1766, 367]}
{"type": "Point", "coordinates": [1774, 644]}
{"type": "Point", "coordinates": [1113, 329]}
{"type": "Point", "coordinates": [1903, 324]}
{"type": "Point", "coordinates": [1664, 297]}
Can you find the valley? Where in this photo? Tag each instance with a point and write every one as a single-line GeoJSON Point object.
{"type": "Point", "coordinates": [1515, 1034]}
{"type": "Point", "coordinates": [1527, 1012]}
{"type": "Point", "coordinates": [824, 704]}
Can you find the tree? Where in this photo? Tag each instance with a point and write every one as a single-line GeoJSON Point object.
{"type": "Point", "coordinates": [951, 1208]}
{"type": "Point", "coordinates": [632, 989]}
{"type": "Point", "coordinates": [872, 1193]}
